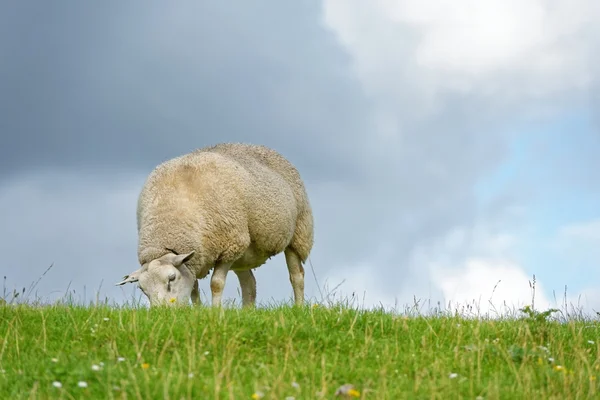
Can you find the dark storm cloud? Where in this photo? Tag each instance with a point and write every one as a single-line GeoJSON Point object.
{"type": "Point", "coordinates": [126, 86]}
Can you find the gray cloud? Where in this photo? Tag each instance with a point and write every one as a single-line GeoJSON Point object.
{"type": "Point", "coordinates": [126, 87]}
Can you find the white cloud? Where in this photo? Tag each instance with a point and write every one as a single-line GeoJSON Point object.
{"type": "Point", "coordinates": [511, 50]}
{"type": "Point", "coordinates": [478, 267]}
{"type": "Point", "coordinates": [468, 267]}
{"type": "Point", "coordinates": [489, 285]}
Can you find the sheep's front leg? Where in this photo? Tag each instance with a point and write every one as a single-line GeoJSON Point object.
{"type": "Point", "coordinates": [248, 285]}
{"type": "Point", "coordinates": [296, 274]}
{"type": "Point", "coordinates": [196, 294]}
{"type": "Point", "coordinates": [217, 282]}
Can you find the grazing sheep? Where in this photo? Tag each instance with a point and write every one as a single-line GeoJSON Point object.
{"type": "Point", "coordinates": [227, 207]}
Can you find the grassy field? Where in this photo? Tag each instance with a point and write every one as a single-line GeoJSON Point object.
{"type": "Point", "coordinates": [63, 351]}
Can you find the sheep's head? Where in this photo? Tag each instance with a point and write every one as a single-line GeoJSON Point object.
{"type": "Point", "coordinates": [165, 280]}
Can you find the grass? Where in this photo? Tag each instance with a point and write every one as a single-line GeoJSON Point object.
{"type": "Point", "coordinates": [281, 352]}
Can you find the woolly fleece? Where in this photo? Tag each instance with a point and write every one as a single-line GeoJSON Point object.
{"type": "Point", "coordinates": [231, 202]}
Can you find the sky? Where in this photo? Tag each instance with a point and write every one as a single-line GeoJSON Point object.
{"type": "Point", "coordinates": [449, 149]}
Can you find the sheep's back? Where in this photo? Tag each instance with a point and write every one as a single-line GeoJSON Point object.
{"type": "Point", "coordinates": [265, 161]}
{"type": "Point", "coordinates": [207, 201]}
{"type": "Point", "coordinates": [249, 154]}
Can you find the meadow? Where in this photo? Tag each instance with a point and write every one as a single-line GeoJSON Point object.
{"type": "Point", "coordinates": [69, 351]}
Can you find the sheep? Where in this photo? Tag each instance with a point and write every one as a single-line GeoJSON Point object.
{"type": "Point", "coordinates": [229, 206]}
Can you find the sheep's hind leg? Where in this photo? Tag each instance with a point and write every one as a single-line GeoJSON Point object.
{"type": "Point", "coordinates": [248, 286]}
{"type": "Point", "coordinates": [296, 274]}
{"type": "Point", "coordinates": [217, 282]}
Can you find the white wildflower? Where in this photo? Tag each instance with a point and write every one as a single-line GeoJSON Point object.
{"type": "Point", "coordinates": [296, 385]}
{"type": "Point", "coordinates": [82, 384]}
{"type": "Point", "coordinates": [120, 359]}
{"type": "Point", "coordinates": [54, 360]}
{"type": "Point", "coordinates": [452, 375]}
{"type": "Point", "coordinates": [95, 367]}
{"type": "Point", "coordinates": [590, 341]}
{"type": "Point", "coordinates": [57, 384]}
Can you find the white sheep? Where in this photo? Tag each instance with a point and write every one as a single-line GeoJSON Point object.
{"type": "Point", "coordinates": [226, 207]}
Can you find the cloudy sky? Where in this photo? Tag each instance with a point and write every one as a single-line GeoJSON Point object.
{"type": "Point", "coordinates": [448, 147]}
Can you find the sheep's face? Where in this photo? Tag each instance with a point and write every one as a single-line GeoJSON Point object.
{"type": "Point", "coordinates": [166, 280]}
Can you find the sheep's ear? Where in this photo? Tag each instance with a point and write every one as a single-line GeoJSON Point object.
{"type": "Point", "coordinates": [182, 259]}
{"type": "Point", "coordinates": [133, 277]}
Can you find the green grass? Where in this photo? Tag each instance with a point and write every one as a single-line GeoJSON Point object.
{"type": "Point", "coordinates": [281, 352]}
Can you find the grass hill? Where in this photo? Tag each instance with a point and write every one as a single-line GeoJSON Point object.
{"type": "Point", "coordinates": [281, 352]}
